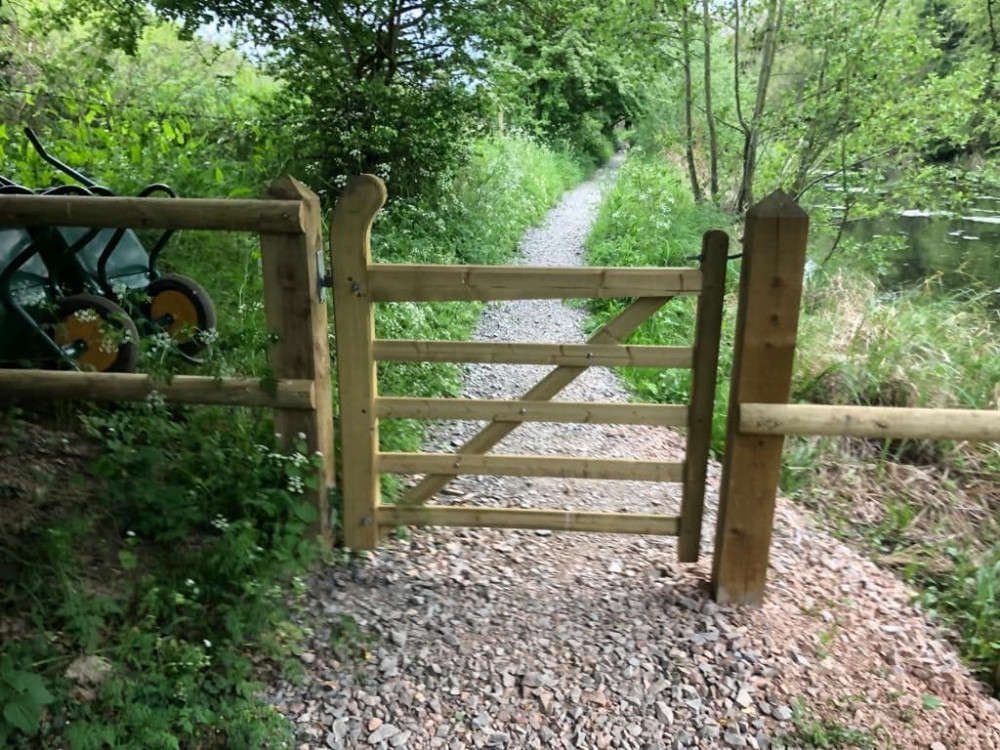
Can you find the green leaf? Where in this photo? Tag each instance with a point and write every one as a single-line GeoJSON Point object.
{"type": "Point", "coordinates": [21, 713]}
{"type": "Point", "coordinates": [127, 560]}
{"type": "Point", "coordinates": [219, 179]}
{"type": "Point", "coordinates": [930, 702]}
{"type": "Point", "coordinates": [34, 686]}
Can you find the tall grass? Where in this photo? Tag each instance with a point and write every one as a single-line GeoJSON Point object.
{"type": "Point", "coordinates": [929, 508]}
{"type": "Point", "coordinates": [649, 219]}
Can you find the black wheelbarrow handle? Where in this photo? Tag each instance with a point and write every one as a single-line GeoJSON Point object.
{"type": "Point", "coordinates": [55, 162]}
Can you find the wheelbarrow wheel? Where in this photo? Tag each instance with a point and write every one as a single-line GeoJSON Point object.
{"type": "Point", "coordinates": [181, 307]}
{"type": "Point", "coordinates": [96, 334]}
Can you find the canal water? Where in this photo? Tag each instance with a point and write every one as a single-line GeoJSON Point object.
{"type": "Point", "coordinates": [961, 250]}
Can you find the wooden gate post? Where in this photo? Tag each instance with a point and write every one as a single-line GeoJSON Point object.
{"type": "Point", "coordinates": [354, 318]}
{"type": "Point", "coordinates": [295, 311]}
{"type": "Point", "coordinates": [774, 253]}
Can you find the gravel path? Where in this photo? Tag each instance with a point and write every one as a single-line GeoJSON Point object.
{"type": "Point", "coordinates": [515, 639]}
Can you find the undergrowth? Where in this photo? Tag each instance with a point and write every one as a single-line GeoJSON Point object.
{"type": "Point", "coordinates": [144, 611]}
{"type": "Point", "coordinates": [928, 509]}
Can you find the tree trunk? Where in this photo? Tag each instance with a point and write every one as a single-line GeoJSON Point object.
{"type": "Point", "coordinates": [751, 130]}
{"type": "Point", "coordinates": [713, 144]}
{"type": "Point", "coordinates": [688, 125]}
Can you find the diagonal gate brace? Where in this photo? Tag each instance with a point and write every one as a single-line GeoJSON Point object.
{"type": "Point", "coordinates": [612, 332]}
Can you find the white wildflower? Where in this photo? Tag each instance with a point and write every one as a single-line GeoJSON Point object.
{"type": "Point", "coordinates": [86, 315]}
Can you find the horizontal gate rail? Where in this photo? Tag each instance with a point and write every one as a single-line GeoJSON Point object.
{"type": "Point", "coordinates": [510, 353]}
{"type": "Point", "coordinates": [421, 283]}
{"type": "Point", "coordinates": [668, 415]}
{"type": "Point", "coordinates": [522, 518]}
{"type": "Point", "coordinates": [134, 386]}
{"type": "Point", "coordinates": [870, 421]}
{"type": "Point", "coordinates": [528, 466]}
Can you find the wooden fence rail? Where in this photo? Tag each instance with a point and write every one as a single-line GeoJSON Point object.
{"type": "Point", "coordinates": [870, 421]}
{"type": "Point", "coordinates": [288, 222]}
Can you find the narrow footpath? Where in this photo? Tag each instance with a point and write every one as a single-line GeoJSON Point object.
{"type": "Point", "coordinates": [520, 639]}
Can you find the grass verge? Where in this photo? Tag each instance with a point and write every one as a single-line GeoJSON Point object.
{"type": "Point", "coordinates": [928, 509]}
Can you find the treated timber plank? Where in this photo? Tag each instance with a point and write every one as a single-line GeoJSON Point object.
{"type": "Point", "coordinates": [870, 421]}
{"type": "Point", "coordinates": [421, 283]}
{"type": "Point", "coordinates": [618, 328]}
{"type": "Point", "coordinates": [528, 466]}
{"type": "Point", "coordinates": [350, 251]}
{"type": "Point", "coordinates": [708, 332]}
{"type": "Point", "coordinates": [510, 353]}
{"type": "Point", "coordinates": [770, 296]}
{"type": "Point", "coordinates": [277, 216]}
{"type": "Point", "coordinates": [509, 518]}
{"type": "Point", "coordinates": [294, 312]}
{"type": "Point", "coordinates": [671, 415]}
{"type": "Point", "coordinates": [131, 386]}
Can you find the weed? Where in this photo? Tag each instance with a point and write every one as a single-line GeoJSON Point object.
{"type": "Point", "coordinates": [822, 732]}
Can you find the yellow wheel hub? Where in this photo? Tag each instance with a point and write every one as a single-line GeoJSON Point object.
{"type": "Point", "coordinates": [97, 336]}
{"type": "Point", "coordinates": [181, 311]}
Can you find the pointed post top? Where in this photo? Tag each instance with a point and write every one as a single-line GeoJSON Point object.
{"type": "Point", "coordinates": [777, 204]}
{"type": "Point", "coordinates": [287, 187]}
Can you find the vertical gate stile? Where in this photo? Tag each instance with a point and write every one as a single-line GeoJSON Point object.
{"type": "Point", "coordinates": [354, 313]}
{"type": "Point", "coordinates": [295, 312]}
{"type": "Point", "coordinates": [708, 331]}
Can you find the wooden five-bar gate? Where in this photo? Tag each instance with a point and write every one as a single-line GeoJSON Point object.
{"type": "Point", "coordinates": [358, 284]}
{"type": "Point", "coordinates": [288, 222]}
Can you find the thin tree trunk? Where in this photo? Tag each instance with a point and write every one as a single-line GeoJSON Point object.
{"type": "Point", "coordinates": [751, 134]}
{"type": "Point", "coordinates": [713, 143]}
{"type": "Point", "coordinates": [688, 122]}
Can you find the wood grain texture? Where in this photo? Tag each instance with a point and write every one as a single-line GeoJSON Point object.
{"type": "Point", "coordinates": [131, 386]}
{"type": "Point", "coordinates": [581, 412]}
{"type": "Point", "coordinates": [766, 326]}
{"type": "Point", "coordinates": [276, 216]}
{"type": "Point", "coordinates": [707, 333]}
{"type": "Point", "coordinates": [529, 466]}
{"type": "Point", "coordinates": [511, 353]}
{"type": "Point", "coordinates": [422, 283]}
{"type": "Point", "coordinates": [295, 313]}
{"type": "Point", "coordinates": [870, 422]}
{"type": "Point", "coordinates": [509, 518]}
{"type": "Point", "coordinates": [350, 250]}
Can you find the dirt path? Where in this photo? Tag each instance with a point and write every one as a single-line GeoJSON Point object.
{"type": "Point", "coordinates": [526, 640]}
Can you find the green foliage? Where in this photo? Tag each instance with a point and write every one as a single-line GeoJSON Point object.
{"type": "Point", "coordinates": [649, 219]}
{"type": "Point", "coordinates": [969, 599]}
{"type": "Point", "coordinates": [918, 347]}
{"type": "Point", "coordinates": [186, 113]}
{"type": "Point", "coordinates": [208, 524]}
{"type": "Point", "coordinates": [23, 695]}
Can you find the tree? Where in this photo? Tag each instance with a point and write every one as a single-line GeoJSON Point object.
{"type": "Point", "coordinates": [713, 142]}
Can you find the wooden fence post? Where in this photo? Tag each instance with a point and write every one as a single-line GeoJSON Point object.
{"type": "Point", "coordinates": [354, 318]}
{"type": "Point", "coordinates": [774, 251]}
{"type": "Point", "coordinates": [296, 313]}
{"type": "Point", "coordinates": [708, 330]}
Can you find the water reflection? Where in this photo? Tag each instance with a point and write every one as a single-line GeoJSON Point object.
{"type": "Point", "coordinates": [960, 250]}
